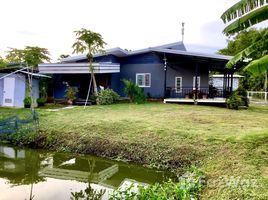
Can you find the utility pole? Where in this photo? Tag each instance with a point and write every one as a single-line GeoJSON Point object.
{"type": "Point", "coordinates": [182, 31]}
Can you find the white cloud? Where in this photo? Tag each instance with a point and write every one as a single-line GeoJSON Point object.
{"type": "Point", "coordinates": [125, 23]}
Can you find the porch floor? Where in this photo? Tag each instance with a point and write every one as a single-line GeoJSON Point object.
{"type": "Point", "coordinates": [208, 101]}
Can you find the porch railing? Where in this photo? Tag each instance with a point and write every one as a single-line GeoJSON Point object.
{"type": "Point", "coordinates": [190, 93]}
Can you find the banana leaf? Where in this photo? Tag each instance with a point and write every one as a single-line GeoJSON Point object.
{"type": "Point", "coordinates": [241, 8]}
{"type": "Point", "coordinates": [249, 51]}
{"type": "Point", "coordinates": [258, 66]}
{"type": "Point", "coordinates": [248, 20]}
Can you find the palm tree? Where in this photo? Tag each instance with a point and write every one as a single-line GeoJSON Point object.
{"type": "Point", "coordinates": [241, 16]}
{"type": "Point", "coordinates": [92, 43]}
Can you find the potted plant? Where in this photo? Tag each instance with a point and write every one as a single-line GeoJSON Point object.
{"type": "Point", "coordinates": [41, 101]}
{"type": "Point", "coordinates": [71, 93]}
{"type": "Point", "coordinates": [27, 102]}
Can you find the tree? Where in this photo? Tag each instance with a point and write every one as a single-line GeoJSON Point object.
{"type": "Point", "coordinates": [243, 15]}
{"type": "Point", "coordinates": [3, 62]}
{"type": "Point", "coordinates": [92, 43]}
{"type": "Point", "coordinates": [237, 44]}
{"type": "Point", "coordinates": [30, 57]}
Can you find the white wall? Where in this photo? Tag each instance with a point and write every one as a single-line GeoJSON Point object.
{"type": "Point", "coordinates": [218, 82]}
{"type": "Point", "coordinates": [35, 90]}
{"type": "Point", "coordinates": [1, 91]}
{"type": "Point", "coordinates": [20, 90]}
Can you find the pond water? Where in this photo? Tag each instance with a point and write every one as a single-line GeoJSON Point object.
{"type": "Point", "coordinates": [38, 174]}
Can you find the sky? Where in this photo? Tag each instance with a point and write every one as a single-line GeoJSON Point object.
{"type": "Point", "coordinates": [129, 24]}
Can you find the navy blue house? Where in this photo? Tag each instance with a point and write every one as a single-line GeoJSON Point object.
{"type": "Point", "coordinates": [167, 71]}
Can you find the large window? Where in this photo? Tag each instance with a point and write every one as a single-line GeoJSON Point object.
{"type": "Point", "coordinates": [178, 84]}
{"type": "Point", "coordinates": [143, 79]}
{"type": "Point", "coordinates": [198, 82]}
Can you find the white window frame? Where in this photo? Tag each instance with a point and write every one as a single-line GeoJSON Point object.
{"type": "Point", "coordinates": [178, 90]}
{"type": "Point", "coordinates": [143, 74]}
{"type": "Point", "coordinates": [198, 82]}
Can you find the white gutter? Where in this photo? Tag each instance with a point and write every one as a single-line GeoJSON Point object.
{"type": "Point", "coordinates": [19, 70]}
{"type": "Point", "coordinates": [34, 74]}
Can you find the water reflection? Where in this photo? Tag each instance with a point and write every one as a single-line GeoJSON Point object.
{"type": "Point", "coordinates": [28, 174]}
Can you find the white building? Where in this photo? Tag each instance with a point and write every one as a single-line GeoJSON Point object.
{"type": "Point", "coordinates": [13, 87]}
{"type": "Point", "coordinates": [217, 81]}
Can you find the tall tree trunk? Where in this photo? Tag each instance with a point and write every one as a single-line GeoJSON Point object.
{"type": "Point", "coordinates": [95, 90]}
{"type": "Point", "coordinates": [30, 83]}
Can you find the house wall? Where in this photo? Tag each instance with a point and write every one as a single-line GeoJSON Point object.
{"type": "Point", "coordinates": [218, 82]}
{"type": "Point", "coordinates": [35, 90]}
{"type": "Point", "coordinates": [20, 90]}
{"type": "Point", "coordinates": [152, 63]}
{"type": "Point", "coordinates": [144, 63]}
{"type": "Point", "coordinates": [187, 72]}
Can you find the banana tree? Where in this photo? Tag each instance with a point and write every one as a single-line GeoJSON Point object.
{"type": "Point", "coordinates": [241, 16]}
{"type": "Point", "coordinates": [92, 43]}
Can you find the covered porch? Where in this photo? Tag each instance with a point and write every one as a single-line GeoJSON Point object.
{"type": "Point", "coordinates": [77, 75]}
{"type": "Point", "coordinates": [192, 83]}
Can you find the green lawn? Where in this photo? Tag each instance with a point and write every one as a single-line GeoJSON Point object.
{"type": "Point", "coordinates": [226, 144]}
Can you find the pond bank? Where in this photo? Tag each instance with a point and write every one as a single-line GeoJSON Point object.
{"type": "Point", "coordinates": [153, 155]}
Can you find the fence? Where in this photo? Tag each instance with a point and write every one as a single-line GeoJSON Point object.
{"type": "Point", "coordinates": [202, 93]}
{"type": "Point", "coordinates": [258, 97]}
{"type": "Point", "coordinates": [15, 124]}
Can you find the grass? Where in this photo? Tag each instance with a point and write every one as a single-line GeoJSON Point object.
{"type": "Point", "coordinates": [230, 146]}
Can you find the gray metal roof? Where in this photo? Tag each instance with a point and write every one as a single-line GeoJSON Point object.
{"type": "Point", "coordinates": [176, 48]}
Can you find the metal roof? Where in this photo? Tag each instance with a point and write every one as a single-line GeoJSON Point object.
{"type": "Point", "coordinates": [167, 48]}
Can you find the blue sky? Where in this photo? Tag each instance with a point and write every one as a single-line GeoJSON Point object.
{"type": "Point", "coordinates": [125, 23]}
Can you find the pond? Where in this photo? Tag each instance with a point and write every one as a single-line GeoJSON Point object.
{"type": "Point", "coordinates": [39, 174]}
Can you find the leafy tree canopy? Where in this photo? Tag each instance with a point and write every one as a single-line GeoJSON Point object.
{"type": "Point", "coordinates": [3, 62]}
{"type": "Point", "coordinates": [241, 16]}
{"type": "Point", "coordinates": [249, 44]}
{"type": "Point", "coordinates": [240, 42]}
{"type": "Point", "coordinates": [88, 41]}
{"type": "Point", "coordinates": [32, 56]}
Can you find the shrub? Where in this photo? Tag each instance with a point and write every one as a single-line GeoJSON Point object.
{"type": "Point", "coordinates": [243, 93]}
{"type": "Point", "coordinates": [130, 89]}
{"type": "Point", "coordinates": [93, 99]}
{"type": "Point", "coordinates": [238, 98]}
{"type": "Point", "coordinates": [139, 96]}
{"type": "Point", "coordinates": [70, 93]}
{"type": "Point", "coordinates": [41, 101]}
{"type": "Point", "coordinates": [27, 102]}
{"type": "Point", "coordinates": [188, 187]}
{"type": "Point", "coordinates": [107, 96]}
{"type": "Point", "coordinates": [234, 101]}
{"type": "Point", "coordinates": [134, 92]}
